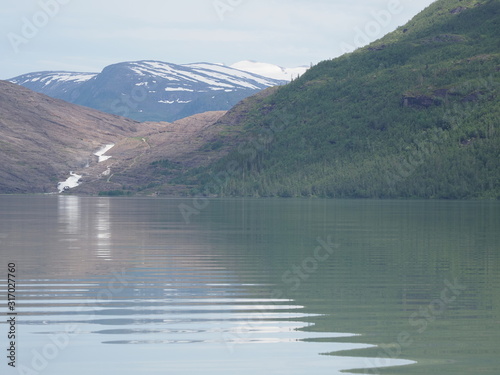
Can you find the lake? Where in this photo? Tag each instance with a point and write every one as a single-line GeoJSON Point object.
{"type": "Point", "coordinates": [122, 286]}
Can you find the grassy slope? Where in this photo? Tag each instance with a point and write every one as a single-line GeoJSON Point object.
{"type": "Point", "coordinates": [415, 114]}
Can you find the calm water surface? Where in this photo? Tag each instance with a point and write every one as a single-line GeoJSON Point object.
{"type": "Point", "coordinates": [127, 286]}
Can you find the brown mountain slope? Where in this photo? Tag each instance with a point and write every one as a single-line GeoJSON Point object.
{"type": "Point", "coordinates": [42, 139]}
{"type": "Point", "coordinates": [152, 161]}
{"type": "Point", "coordinates": [160, 152]}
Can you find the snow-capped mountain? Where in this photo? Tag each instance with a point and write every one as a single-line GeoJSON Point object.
{"type": "Point", "coordinates": [54, 84]}
{"type": "Point", "coordinates": [270, 70]}
{"type": "Point", "coordinates": [151, 90]}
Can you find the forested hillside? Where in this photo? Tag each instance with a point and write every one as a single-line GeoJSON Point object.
{"type": "Point", "coordinates": [414, 114]}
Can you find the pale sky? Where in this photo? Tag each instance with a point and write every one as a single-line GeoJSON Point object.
{"type": "Point", "coordinates": [87, 35]}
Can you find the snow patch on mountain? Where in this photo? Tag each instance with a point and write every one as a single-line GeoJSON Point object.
{"type": "Point", "coordinates": [216, 76]}
{"type": "Point", "coordinates": [229, 71]}
{"type": "Point", "coordinates": [101, 153]}
{"type": "Point", "coordinates": [175, 89]}
{"type": "Point", "coordinates": [73, 181]}
{"type": "Point", "coordinates": [174, 101]}
{"type": "Point", "coordinates": [270, 70]}
{"type": "Point", "coordinates": [48, 78]}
